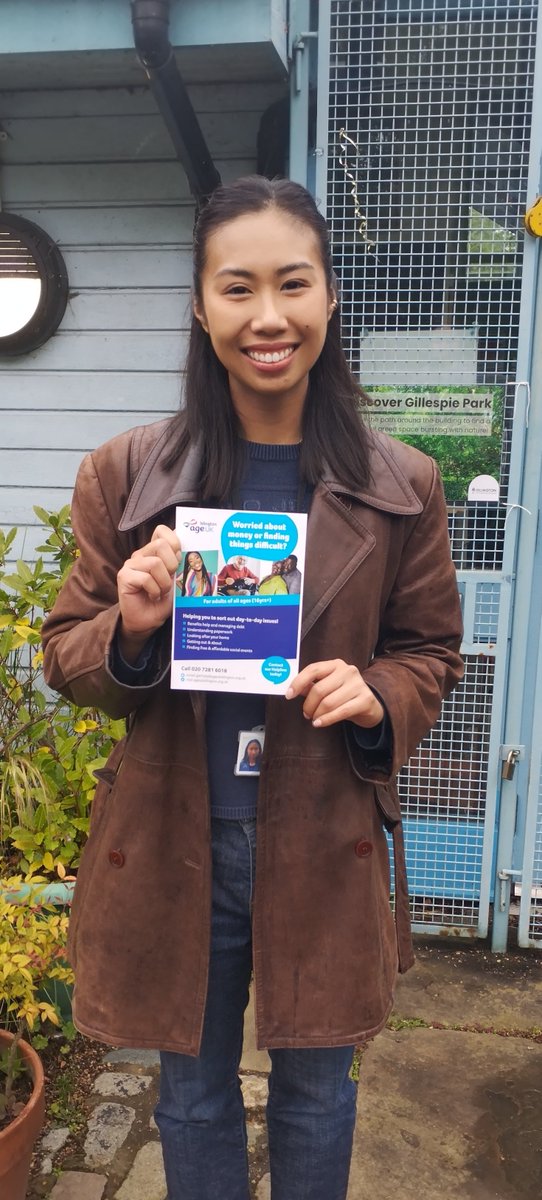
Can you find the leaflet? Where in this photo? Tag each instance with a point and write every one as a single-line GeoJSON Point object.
{"type": "Point", "coordinates": [238, 600]}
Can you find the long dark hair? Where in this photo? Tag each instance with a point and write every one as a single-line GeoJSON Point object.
{"type": "Point", "coordinates": [332, 428]}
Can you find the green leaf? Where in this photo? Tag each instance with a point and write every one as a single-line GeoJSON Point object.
{"type": "Point", "coordinates": [24, 570]}
{"type": "Point", "coordinates": [42, 513]}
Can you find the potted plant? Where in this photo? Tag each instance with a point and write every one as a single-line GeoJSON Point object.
{"type": "Point", "coordinates": [32, 946]}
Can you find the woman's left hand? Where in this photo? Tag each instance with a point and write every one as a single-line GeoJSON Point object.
{"type": "Point", "coordinates": [336, 691]}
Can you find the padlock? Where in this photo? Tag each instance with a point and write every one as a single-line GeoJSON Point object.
{"type": "Point", "coordinates": [509, 765]}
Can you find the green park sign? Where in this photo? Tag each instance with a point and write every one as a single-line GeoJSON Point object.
{"type": "Point", "coordinates": [460, 427]}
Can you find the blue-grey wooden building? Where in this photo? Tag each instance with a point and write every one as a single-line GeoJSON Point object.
{"type": "Point", "coordinates": [417, 123]}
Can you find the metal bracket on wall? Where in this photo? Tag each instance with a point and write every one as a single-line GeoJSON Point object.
{"type": "Point", "coordinates": [297, 51]}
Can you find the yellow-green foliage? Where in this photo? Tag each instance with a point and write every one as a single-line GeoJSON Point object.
{"type": "Point", "coordinates": [32, 951]}
{"type": "Point", "coordinates": [48, 748]}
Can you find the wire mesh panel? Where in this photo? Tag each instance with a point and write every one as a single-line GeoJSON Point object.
{"type": "Point", "coordinates": [429, 137]}
{"type": "Point", "coordinates": [443, 795]}
{"type": "Point", "coordinates": [528, 882]}
{"type": "Point", "coordinates": [428, 154]}
{"type": "Point", "coordinates": [535, 916]}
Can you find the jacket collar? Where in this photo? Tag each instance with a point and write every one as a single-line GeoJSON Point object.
{"type": "Point", "coordinates": [155, 489]}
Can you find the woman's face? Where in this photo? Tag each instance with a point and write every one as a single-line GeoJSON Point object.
{"type": "Point", "coordinates": [253, 751]}
{"type": "Point", "coordinates": [195, 561]}
{"type": "Point", "coordinates": [265, 305]}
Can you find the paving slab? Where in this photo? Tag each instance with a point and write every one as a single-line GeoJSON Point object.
{"type": "Point", "coordinates": [50, 1145]}
{"type": "Point", "coordinates": [108, 1128]}
{"type": "Point", "coordinates": [146, 1179]}
{"type": "Point", "coordinates": [446, 1115]}
{"type": "Point", "coordinates": [79, 1185]}
{"type": "Point", "coordinates": [470, 987]}
{"type": "Point", "coordinates": [263, 1190]}
{"type": "Point", "coordinates": [140, 1058]}
{"type": "Point", "coordinates": [255, 1089]}
{"type": "Point", "coordinates": [118, 1083]}
{"type": "Point", "coordinates": [55, 1139]}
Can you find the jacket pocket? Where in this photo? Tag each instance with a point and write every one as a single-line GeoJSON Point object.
{"type": "Point", "coordinates": [106, 777]}
{"type": "Point", "coordinates": [388, 804]}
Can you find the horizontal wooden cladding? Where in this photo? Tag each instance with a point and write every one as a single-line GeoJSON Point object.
{"type": "Point", "coordinates": [114, 309]}
{"type": "Point", "coordinates": [86, 183]}
{"type": "Point", "coordinates": [18, 504]}
{"type": "Point", "coordinates": [121, 138]}
{"type": "Point", "coordinates": [46, 468]}
{"type": "Point", "coordinates": [66, 431]}
{"type": "Point", "coordinates": [135, 101]}
{"type": "Point", "coordinates": [100, 350]}
{"type": "Point", "coordinates": [55, 464]}
{"type": "Point", "coordinates": [138, 266]}
{"type": "Point", "coordinates": [150, 391]}
{"type": "Point", "coordinates": [147, 394]}
{"type": "Point", "coordinates": [130, 225]}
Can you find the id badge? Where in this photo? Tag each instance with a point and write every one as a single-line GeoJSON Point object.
{"type": "Point", "coordinates": [250, 750]}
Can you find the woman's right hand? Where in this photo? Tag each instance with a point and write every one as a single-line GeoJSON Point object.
{"type": "Point", "coordinates": [145, 585]}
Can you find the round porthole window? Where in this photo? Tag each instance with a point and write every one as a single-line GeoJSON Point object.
{"type": "Point", "coordinates": [33, 285]}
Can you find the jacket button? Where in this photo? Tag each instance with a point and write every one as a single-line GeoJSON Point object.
{"type": "Point", "coordinates": [116, 858]}
{"type": "Point", "coordinates": [363, 849]}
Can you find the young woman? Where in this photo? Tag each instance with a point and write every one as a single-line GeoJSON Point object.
{"type": "Point", "coordinates": [195, 579]}
{"type": "Point", "coordinates": [194, 878]}
{"type": "Point", "coordinates": [251, 758]}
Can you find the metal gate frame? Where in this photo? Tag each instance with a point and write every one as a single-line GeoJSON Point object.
{"type": "Point", "coordinates": [500, 809]}
{"type": "Point", "coordinates": [526, 848]}
{"type": "Point", "coordinates": [519, 846]}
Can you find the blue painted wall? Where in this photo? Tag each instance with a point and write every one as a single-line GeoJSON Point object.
{"type": "Point", "coordinates": [96, 169]}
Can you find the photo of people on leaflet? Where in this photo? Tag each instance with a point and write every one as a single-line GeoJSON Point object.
{"type": "Point", "coordinates": [236, 578]}
{"type": "Point", "coordinates": [273, 584]}
{"type": "Point", "coordinates": [196, 575]}
{"type": "Point", "coordinates": [283, 580]}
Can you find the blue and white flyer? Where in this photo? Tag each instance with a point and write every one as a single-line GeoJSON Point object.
{"type": "Point", "coordinates": [238, 600]}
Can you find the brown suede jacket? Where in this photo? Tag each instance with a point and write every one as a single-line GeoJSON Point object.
{"type": "Point", "coordinates": [380, 592]}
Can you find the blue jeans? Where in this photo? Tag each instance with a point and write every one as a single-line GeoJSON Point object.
{"type": "Point", "coordinates": [311, 1108]}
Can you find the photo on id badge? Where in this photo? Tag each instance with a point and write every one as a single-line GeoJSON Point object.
{"type": "Point", "coordinates": [251, 743]}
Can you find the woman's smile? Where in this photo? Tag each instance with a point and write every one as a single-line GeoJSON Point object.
{"type": "Point", "coordinates": [274, 357]}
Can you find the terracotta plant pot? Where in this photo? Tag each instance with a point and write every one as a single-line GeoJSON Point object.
{"type": "Point", "coordinates": [17, 1139]}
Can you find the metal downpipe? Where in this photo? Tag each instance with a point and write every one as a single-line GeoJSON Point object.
{"type": "Point", "coordinates": [150, 22]}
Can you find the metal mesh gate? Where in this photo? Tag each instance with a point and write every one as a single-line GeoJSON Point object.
{"type": "Point", "coordinates": [427, 159]}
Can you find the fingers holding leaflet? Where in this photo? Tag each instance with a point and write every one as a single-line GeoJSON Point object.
{"type": "Point", "coordinates": [335, 691]}
{"type": "Point", "coordinates": [145, 583]}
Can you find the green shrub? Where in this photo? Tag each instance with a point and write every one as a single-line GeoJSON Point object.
{"type": "Point", "coordinates": [32, 949]}
{"type": "Point", "coordinates": [49, 749]}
